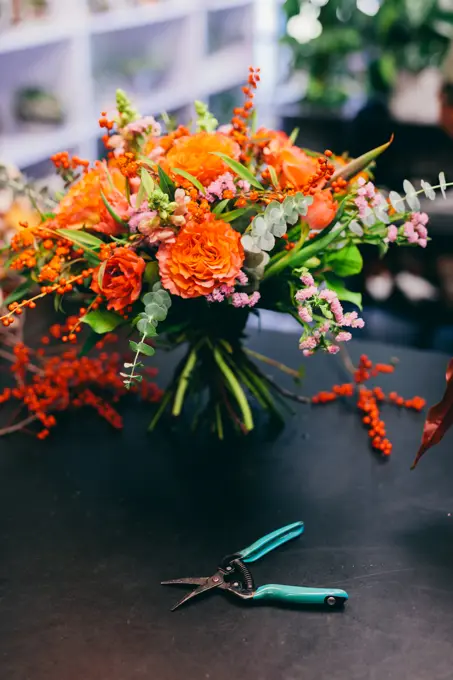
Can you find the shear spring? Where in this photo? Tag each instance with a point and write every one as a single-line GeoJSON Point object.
{"type": "Point", "coordinates": [245, 573]}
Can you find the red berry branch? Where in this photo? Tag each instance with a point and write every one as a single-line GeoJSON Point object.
{"type": "Point", "coordinates": [369, 401]}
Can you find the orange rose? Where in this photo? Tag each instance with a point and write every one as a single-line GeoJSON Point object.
{"type": "Point", "coordinates": [203, 257]}
{"type": "Point", "coordinates": [121, 279]}
{"type": "Point", "coordinates": [194, 154]}
{"type": "Point", "coordinates": [297, 167]}
{"type": "Point", "coordinates": [322, 211]}
{"type": "Point", "coordinates": [272, 143]}
{"type": "Point", "coordinates": [83, 206]}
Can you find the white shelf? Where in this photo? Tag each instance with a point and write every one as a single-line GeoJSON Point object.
{"type": "Point", "coordinates": [120, 20]}
{"type": "Point", "coordinates": [238, 57]}
{"type": "Point", "coordinates": [192, 74]}
{"type": "Point", "coordinates": [29, 36]}
{"type": "Point", "coordinates": [218, 5]}
{"type": "Point", "coordinates": [28, 148]}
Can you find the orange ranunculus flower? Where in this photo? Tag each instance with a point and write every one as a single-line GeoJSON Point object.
{"type": "Point", "coordinates": [296, 166]}
{"type": "Point", "coordinates": [273, 142]}
{"type": "Point", "coordinates": [194, 155]}
{"type": "Point", "coordinates": [322, 211]}
{"type": "Point", "coordinates": [83, 206]}
{"type": "Point", "coordinates": [121, 279]}
{"type": "Point", "coordinates": [203, 257]}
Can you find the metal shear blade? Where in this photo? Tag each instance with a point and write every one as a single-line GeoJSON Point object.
{"type": "Point", "coordinates": [203, 585]}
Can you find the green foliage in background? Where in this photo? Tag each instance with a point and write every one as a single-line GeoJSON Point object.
{"type": "Point", "coordinates": [402, 35]}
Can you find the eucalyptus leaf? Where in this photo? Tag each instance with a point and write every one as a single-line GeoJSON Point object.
{"type": "Point", "coordinates": [142, 348]}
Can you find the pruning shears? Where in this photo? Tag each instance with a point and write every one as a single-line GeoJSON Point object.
{"type": "Point", "coordinates": [233, 576]}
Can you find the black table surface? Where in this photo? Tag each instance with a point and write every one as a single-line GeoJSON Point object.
{"type": "Point", "coordinates": [92, 520]}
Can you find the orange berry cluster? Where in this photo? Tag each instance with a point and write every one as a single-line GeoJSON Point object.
{"type": "Point", "coordinates": [323, 174]}
{"type": "Point", "coordinates": [63, 161]}
{"type": "Point", "coordinates": [239, 121]}
{"type": "Point", "coordinates": [54, 384]}
{"type": "Point", "coordinates": [61, 287]}
{"type": "Point", "coordinates": [127, 164]}
{"type": "Point", "coordinates": [339, 185]}
{"type": "Point", "coordinates": [369, 401]}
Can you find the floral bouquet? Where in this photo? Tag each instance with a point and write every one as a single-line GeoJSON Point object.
{"type": "Point", "coordinates": [184, 232]}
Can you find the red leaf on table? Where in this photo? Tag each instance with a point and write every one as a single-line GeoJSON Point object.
{"type": "Point", "coordinates": [439, 420]}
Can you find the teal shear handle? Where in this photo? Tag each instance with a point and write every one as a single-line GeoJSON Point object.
{"type": "Point", "coordinates": [300, 595]}
{"type": "Point", "coordinates": [270, 542]}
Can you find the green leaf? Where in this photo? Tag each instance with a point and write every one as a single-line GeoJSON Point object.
{"type": "Point", "coordinates": [147, 328]}
{"type": "Point", "coordinates": [273, 174]}
{"type": "Point", "coordinates": [191, 178]}
{"type": "Point", "coordinates": [360, 163]}
{"type": "Point", "coordinates": [112, 213]}
{"type": "Point", "coordinates": [151, 274]}
{"type": "Point", "coordinates": [147, 182]}
{"type": "Point", "coordinates": [58, 303]}
{"type": "Point", "coordinates": [345, 262]}
{"type": "Point", "coordinates": [166, 184]}
{"type": "Point", "coordinates": [155, 311]}
{"type": "Point", "coordinates": [147, 161]}
{"type": "Point", "coordinates": [18, 293]}
{"type": "Point", "coordinates": [239, 169]}
{"type": "Point", "coordinates": [141, 194]}
{"type": "Point", "coordinates": [143, 348]}
{"type": "Point", "coordinates": [102, 321]}
{"type": "Point", "coordinates": [234, 214]}
{"type": "Point", "coordinates": [220, 207]}
{"type": "Point", "coordinates": [417, 11]}
{"type": "Point", "coordinates": [294, 135]}
{"type": "Point", "coordinates": [337, 285]}
{"type": "Point", "coordinates": [81, 238]}
{"type": "Point", "coordinates": [89, 343]}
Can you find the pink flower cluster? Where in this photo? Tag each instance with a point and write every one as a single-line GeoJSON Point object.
{"type": "Point", "coordinates": [244, 300]}
{"type": "Point", "coordinates": [223, 183]}
{"type": "Point", "coordinates": [310, 297]}
{"type": "Point", "coordinates": [415, 231]}
{"type": "Point", "coordinates": [367, 196]}
{"type": "Point", "coordinates": [219, 294]}
{"type": "Point", "coordinates": [146, 124]}
{"type": "Point", "coordinates": [237, 299]}
{"type": "Point", "coordinates": [148, 222]}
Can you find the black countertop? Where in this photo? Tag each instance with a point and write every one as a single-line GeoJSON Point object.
{"type": "Point", "coordinates": [91, 521]}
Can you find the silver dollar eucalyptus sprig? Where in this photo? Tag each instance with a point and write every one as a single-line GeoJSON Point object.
{"type": "Point", "coordinates": [411, 194]}
{"type": "Point", "coordinates": [157, 303]}
{"type": "Point", "coordinates": [273, 222]}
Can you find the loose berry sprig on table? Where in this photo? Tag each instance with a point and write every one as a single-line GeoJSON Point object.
{"type": "Point", "coordinates": [55, 378]}
{"type": "Point", "coordinates": [369, 401]}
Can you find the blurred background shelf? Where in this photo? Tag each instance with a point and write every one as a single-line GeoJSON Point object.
{"type": "Point", "coordinates": [23, 36]}
{"type": "Point", "coordinates": [132, 17]}
{"type": "Point", "coordinates": [24, 149]}
{"type": "Point", "coordinates": [164, 53]}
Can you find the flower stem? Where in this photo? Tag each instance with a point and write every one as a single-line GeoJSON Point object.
{"type": "Point", "coordinates": [236, 390]}
{"type": "Point", "coordinates": [272, 362]}
{"type": "Point", "coordinates": [219, 424]}
{"type": "Point", "coordinates": [184, 383]}
{"type": "Point", "coordinates": [18, 426]}
{"type": "Point", "coordinates": [132, 376]}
